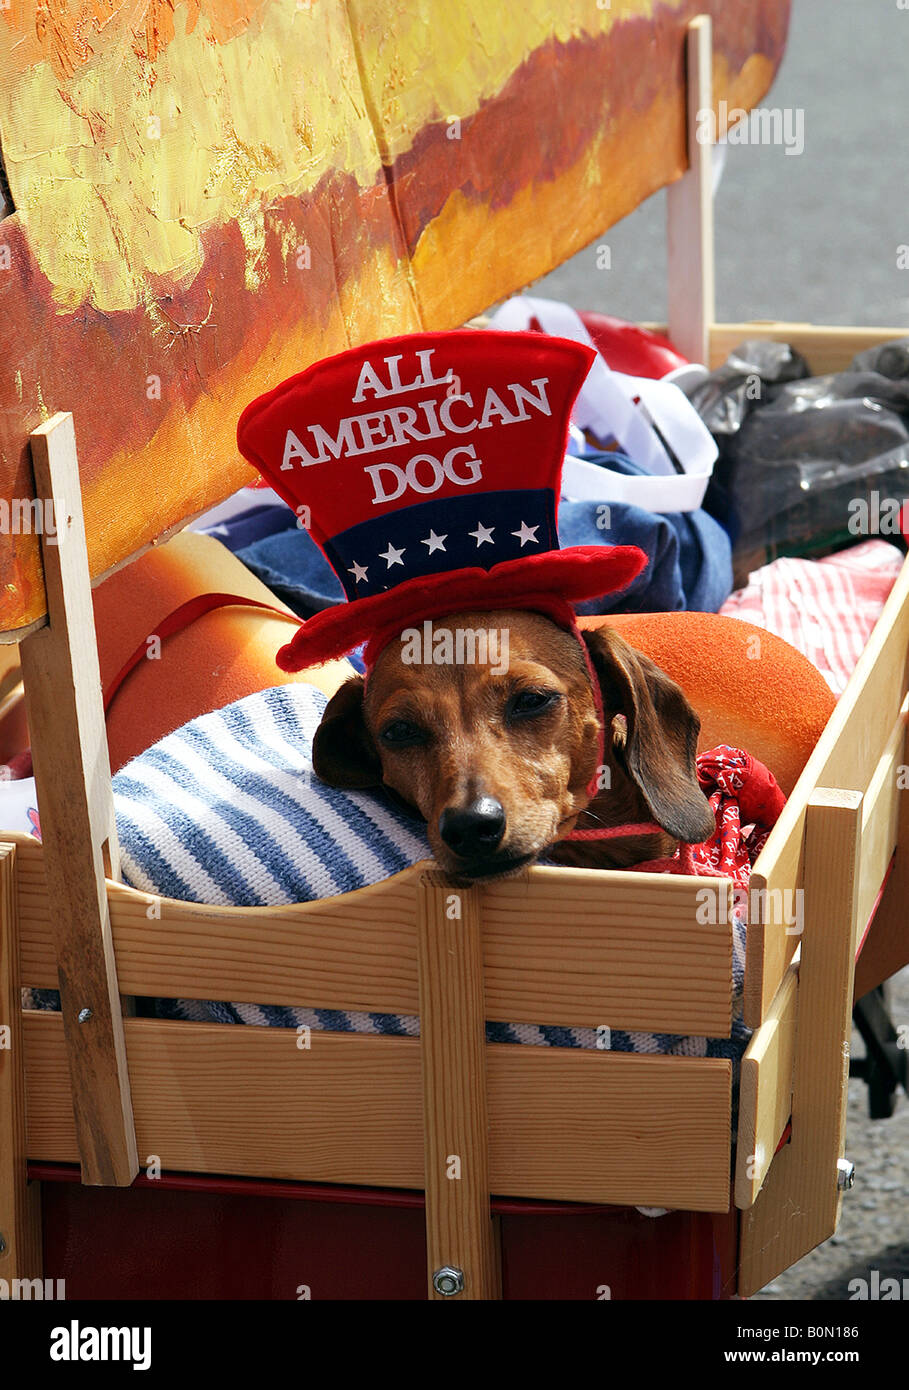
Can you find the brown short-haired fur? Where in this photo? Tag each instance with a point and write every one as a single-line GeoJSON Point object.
{"type": "Point", "coordinates": [498, 756]}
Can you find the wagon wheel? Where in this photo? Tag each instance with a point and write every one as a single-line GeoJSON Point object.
{"type": "Point", "coordinates": [884, 1066]}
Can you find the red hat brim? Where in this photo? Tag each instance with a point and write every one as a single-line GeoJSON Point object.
{"type": "Point", "coordinates": [547, 583]}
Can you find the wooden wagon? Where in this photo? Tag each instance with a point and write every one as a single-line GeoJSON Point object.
{"type": "Point", "coordinates": [313, 1156]}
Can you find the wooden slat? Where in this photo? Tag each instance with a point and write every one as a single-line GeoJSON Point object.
{"type": "Point", "coordinates": [342, 953]}
{"type": "Point", "coordinates": [36, 945]}
{"type": "Point", "coordinates": [253, 1101]}
{"type": "Point", "coordinates": [846, 756]}
{"type": "Point", "coordinates": [567, 1125]}
{"type": "Point", "coordinates": [20, 1205]}
{"type": "Point", "coordinates": [627, 950]}
{"type": "Point", "coordinates": [72, 777]}
{"type": "Point", "coordinates": [880, 818]}
{"type": "Point", "coordinates": [798, 1204]}
{"type": "Point", "coordinates": [689, 211]}
{"type": "Point", "coordinates": [773, 935]}
{"type": "Point", "coordinates": [862, 723]}
{"type": "Point", "coordinates": [886, 949]}
{"type": "Point", "coordinates": [356, 952]}
{"type": "Point", "coordinates": [827, 349]}
{"type": "Point", "coordinates": [459, 1230]}
{"type": "Point", "coordinates": [765, 1091]}
{"type": "Point", "coordinates": [621, 1127]}
{"type": "Point", "coordinates": [546, 961]}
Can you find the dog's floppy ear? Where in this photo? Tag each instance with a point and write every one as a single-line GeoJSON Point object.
{"type": "Point", "coordinates": [661, 742]}
{"type": "Point", "coordinates": [343, 754]}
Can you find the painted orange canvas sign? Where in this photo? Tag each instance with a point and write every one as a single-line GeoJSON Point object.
{"type": "Point", "coordinates": [201, 197]}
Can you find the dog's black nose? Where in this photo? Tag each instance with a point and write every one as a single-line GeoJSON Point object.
{"type": "Point", "coordinates": [473, 830]}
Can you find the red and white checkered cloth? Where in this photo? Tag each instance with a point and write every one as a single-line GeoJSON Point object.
{"type": "Point", "coordinates": [825, 608]}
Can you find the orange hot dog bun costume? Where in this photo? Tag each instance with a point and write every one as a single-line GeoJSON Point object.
{"type": "Point", "coordinates": [751, 689]}
{"type": "Point", "coordinates": [217, 659]}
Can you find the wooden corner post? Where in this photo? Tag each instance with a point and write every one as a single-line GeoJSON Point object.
{"type": "Point", "coordinates": [689, 211]}
{"type": "Point", "coordinates": [75, 801]}
{"type": "Point", "coordinates": [798, 1205]}
{"type": "Point", "coordinates": [459, 1229]}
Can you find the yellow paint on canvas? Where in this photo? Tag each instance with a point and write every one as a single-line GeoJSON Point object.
{"type": "Point", "coordinates": [478, 46]}
{"type": "Point", "coordinates": [116, 181]}
{"type": "Point", "coordinates": [514, 241]}
{"type": "Point", "coordinates": [512, 246]}
{"type": "Point", "coordinates": [117, 163]}
{"type": "Point", "coordinates": [375, 304]}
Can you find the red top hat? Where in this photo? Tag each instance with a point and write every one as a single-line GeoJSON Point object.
{"type": "Point", "coordinates": [427, 468]}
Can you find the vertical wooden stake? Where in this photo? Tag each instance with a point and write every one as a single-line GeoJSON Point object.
{"type": "Point", "coordinates": [459, 1229]}
{"type": "Point", "coordinates": [798, 1205]}
{"type": "Point", "coordinates": [689, 212]}
{"type": "Point", "coordinates": [20, 1206]}
{"type": "Point", "coordinates": [75, 802]}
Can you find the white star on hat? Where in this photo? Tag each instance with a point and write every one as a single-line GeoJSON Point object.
{"type": "Point", "coordinates": [392, 556]}
{"type": "Point", "coordinates": [358, 572]}
{"type": "Point", "coordinates": [434, 542]}
{"type": "Point", "coordinates": [526, 533]}
{"type": "Point", "coordinates": [483, 534]}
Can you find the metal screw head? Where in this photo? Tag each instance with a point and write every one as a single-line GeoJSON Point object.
{"type": "Point", "coordinates": [448, 1281]}
{"type": "Point", "coordinates": [845, 1174]}
{"type": "Point", "coordinates": [84, 1015]}
{"type": "Point", "coordinates": [2, 1243]}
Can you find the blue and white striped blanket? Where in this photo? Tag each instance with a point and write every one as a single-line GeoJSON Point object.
{"type": "Point", "coordinates": [227, 810]}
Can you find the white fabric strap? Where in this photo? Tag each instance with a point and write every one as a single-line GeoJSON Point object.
{"type": "Point", "coordinates": [614, 406]}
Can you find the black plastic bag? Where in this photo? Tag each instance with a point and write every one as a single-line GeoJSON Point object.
{"type": "Point", "coordinates": [889, 359]}
{"type": "Point", "coordinates": [727, 397]}
{"type": "Point", "coordinates": [794, 464]}
{"type": "Point", "coordinates": [733, 391]}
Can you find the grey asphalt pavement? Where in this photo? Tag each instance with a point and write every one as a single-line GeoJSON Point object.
{"type": "Point", "coordinates": [812, 236]}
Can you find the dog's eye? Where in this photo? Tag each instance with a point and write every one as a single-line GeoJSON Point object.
{"type": "Point", "coordinates": [400, 733]}
{"type": "Point", "coordinates": [530, 702]}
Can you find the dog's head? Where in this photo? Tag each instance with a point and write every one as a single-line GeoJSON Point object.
{"type": "Point", "coordinates": [488, 725]}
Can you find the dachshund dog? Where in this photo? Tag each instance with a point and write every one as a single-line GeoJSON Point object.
{"type": "Point", "coordinates": [496, 742]}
